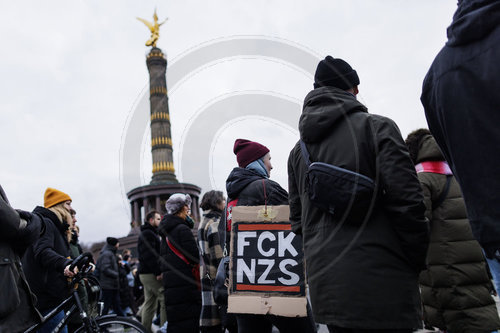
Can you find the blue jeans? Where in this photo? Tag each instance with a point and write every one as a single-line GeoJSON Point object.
{"type": "Point", "coordinates": [49, 326]}
{"type": "Point", "coordinates": [495, 272]}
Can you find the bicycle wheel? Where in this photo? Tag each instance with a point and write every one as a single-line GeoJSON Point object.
{"type": "Point", "coordinates": [117, 325]}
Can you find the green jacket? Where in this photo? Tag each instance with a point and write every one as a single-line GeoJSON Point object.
{"type": "Point", "coordinates": [455, 287]}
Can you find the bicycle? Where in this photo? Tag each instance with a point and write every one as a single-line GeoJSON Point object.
{"type": "Point", "coordinates": [72, 305]}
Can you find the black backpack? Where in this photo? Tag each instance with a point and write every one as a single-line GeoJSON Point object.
{"type": "Point", "coordinates": [337, 190]}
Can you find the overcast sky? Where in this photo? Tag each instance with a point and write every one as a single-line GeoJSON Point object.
{"type": "Point", "coordinates": [74, 75]}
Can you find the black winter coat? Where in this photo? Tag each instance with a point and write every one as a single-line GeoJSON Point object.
{"type": "Point", "coordinates": [182, 297]}
{"type": "Point", "coordinates": [461, 99]}
{"type": "Point", "coordinates": [361, 274]}
{"type": "Point", "coordinates": [125, 299]}
{"type": "Point", "coordinates": [248, 187]}
{"type": "Point", "coordinates": [148, 247]}
{"type": "Point", "coordinates": [107, 264]}
{"type": "Point", "coordinates": [17, 303]}
{"type": "Point", "coordinates": [45, 260]}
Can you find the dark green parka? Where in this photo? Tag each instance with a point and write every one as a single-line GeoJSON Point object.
{"type": "Point", "coordinates": [455, 287]}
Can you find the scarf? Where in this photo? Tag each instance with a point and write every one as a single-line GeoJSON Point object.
{"type": "Point", "coordinates": [258, 167]}
{"type": "Point", "coordinates": [440, 167]}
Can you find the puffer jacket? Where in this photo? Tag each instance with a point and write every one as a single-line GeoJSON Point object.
{"type": "Point", "coordinates": [182, 297]}
{"type": "Point", "coordinates": [362, 274]}
{"type": "Point", "coordinates": [107, 264]}
{"type": "Point", "coordinates": [455, 286]}
{"type": "Point", "coordinates": [17, 304]}
{"type": "Point", "coordinates": [45, 260]}
{"type": "Point", "coordinates": [461, 101]}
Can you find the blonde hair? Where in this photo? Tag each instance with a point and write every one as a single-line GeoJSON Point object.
{"type": "Point", "coordinates": [64, 216]}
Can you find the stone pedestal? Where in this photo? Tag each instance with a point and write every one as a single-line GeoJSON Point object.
{"type": "Point", "coordinates": [148, 197]}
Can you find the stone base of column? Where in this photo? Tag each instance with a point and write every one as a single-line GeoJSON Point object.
{"type": "Point", "coordinates": [163, 178]}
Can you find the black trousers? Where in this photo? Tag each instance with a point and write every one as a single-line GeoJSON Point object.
{"type": "Point", "coordinates": [335, 329]}
{"type": "Point", "coordinates": [111, 299]}
{"type": "Point", "coordinates": [250, 323]}
{"type": "Point", "coordinates": [211, 329]}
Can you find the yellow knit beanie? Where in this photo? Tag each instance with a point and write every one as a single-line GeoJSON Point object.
{"type": "Point", "coordinates": [52, 197]}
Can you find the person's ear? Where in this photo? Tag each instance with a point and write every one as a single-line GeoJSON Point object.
{"type": "Point", "coordinates": [355, 90]}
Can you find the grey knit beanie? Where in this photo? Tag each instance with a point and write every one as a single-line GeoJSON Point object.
{"type": "Point", "coordinates": [177, 201]}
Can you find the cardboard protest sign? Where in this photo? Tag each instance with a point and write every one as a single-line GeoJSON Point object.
{"type": "Point", "coordinates": [266, 267]}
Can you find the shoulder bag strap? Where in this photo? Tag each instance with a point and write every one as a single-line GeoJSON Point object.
{"type": "Point", "coordinates": [177, 252]}
{"type": "Point", "coordinates": [305, 153]}
{"type": "Point", "coordinates": [444, 194]}
{"type": "Point", "coordinates": [265, 195]}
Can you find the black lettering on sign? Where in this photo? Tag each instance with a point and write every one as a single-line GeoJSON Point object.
{"type": "Point", "coordinates": [267, 257]}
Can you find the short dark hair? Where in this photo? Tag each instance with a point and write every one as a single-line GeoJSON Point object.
{"type": "Point", "coordinates": [151, 215]}
{"type": "Point", "coordinates": [211, 199]}
{"type": "Point", "coordinates": [414, 140]}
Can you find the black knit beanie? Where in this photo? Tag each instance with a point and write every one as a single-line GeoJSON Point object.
{"type": "Point", "coordinates": [112, 241]}
{"type": "Point", "coordinates": [335, 73]}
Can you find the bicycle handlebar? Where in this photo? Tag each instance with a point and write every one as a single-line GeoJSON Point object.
{"type": "Point", "coordinates": [81, 261]}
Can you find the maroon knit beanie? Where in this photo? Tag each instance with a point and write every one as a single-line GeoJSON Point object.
{"type": "Point", "coordinates": [247, 151]}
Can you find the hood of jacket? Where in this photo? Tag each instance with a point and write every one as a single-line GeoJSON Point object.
{"type": "Point", "coordinates": [238, 179]}
{"type": "Point", "coordinates": [323, 108]}
{"type": "Point", "coordinates": [47, 213]}
{"type": "Point", "coordinates": [429, 150]}
{"type": "Point", "coordinates": [108, 247]}
{"type": "Point", "coordinates": [473, 20]}
{"type": "Point", "coordinates": [3, 195]}
{"type": "Point", "coordinates": [169, 222]}
{"type": "Point", "coordinates": [147, 226]}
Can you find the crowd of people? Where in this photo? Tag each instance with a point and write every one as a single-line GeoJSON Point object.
{"type": "Point", "coordinates": [407, 235]}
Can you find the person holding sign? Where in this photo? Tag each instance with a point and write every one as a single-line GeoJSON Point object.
{"type": "Point", "coordinates": [249, 185]}
{"type": "Point", "coordinates": [362, 264]}
{"type": "Point", "coordinates": [179, 263]}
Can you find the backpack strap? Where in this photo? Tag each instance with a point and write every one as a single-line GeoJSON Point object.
{"type": "Point", "coordinates": [305, 153]}
{"type": "Point", "coordinates": [444, 194]}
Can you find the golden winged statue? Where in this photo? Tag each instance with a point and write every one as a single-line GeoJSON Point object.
{"type": "Point", "coordinates": [154, 28]}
